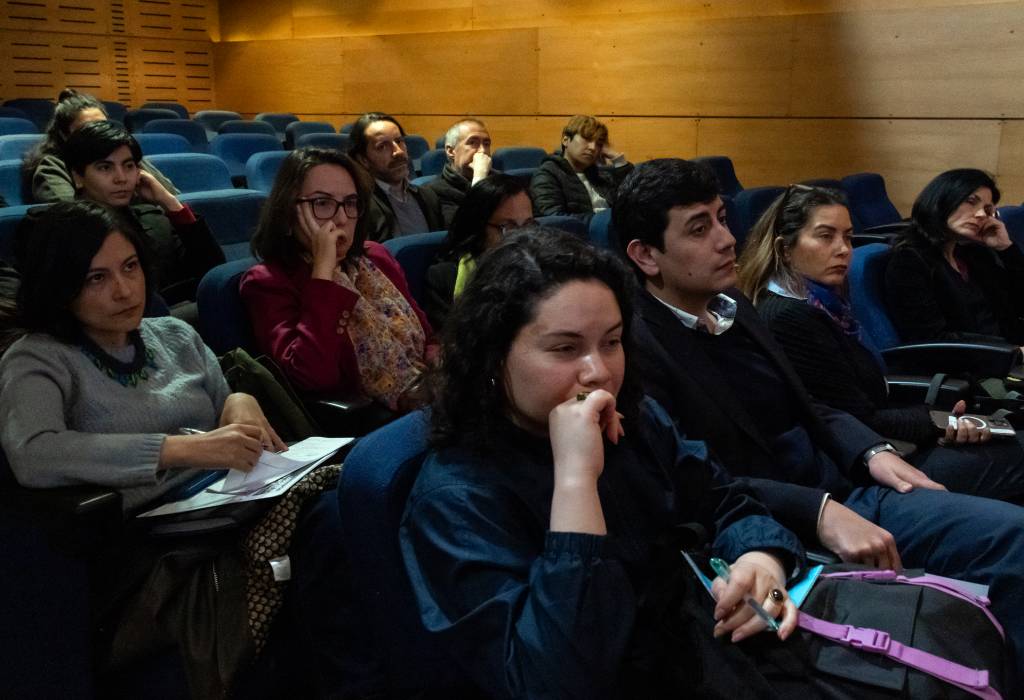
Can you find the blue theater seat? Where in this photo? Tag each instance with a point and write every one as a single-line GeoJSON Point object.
{"type": "Point", "coordinates": [1013, 217]}
{"type": "Point", "coordinates": [194, 172]}
{"type": "Point", "coordinates": [192, 131]}
{"type": "Point", "coordinates": [223, 321]}
{"type": "Point", "coordinates": [136, 119]}
{"type": "Point", "coordinates": [246, 126]}
{"type": "Point", "coordinates": [16, 125]}
{"type": "Point", "coordinates": [296, 130]}
{"type": "Point", "coordinates": [261, 169]}
{"type": "Point", "coordinates": [11, 182]}
{"type": "Point", "coordinates": [278, 120]}
{"type": "Point", "coordinates": [423, 180]}
{"type": "Point", "coordinates": [115, 111]}
{"type": "Point", "coordinates": [13, 113]}
{"type": "Point", "coordinates": [158, 144]}
{"type": "Point", "coordinates": [346, 128]}
{"type": "Point", "coordinates": [416, 147]}
{"type": "Point", "coordinates": [232, 216]}
{"type": "Point", "coordinates": [601, 232]}
{"type": "Point", "coordinates": [10, 217]}
{"type": "Point", "coordinates": [750, 204]}
{"type": "Point", "coordinates": [869, 202]}
{"type": "Point", "coordinates": [338, 142]}
{"type": "Point", "coordinates": [178, 109]}
{"type": "Point", "coordinates": [415, 253]}
{"type": "Point", "coordinates": [235, 150]}
{"type": "Point", "coordinates": [433, 162]}
{"type": "Point", "coordinates": [724, 171]}
{"type": "Point", "coordinates": [39, 112]}
{"type": "Point", "coordinates": [17, 145]}
{"type": "Point", "coordinates": [515, 157]}
{"type": "Point", "coordinates": [570, 224]}
{"type": "Point", "coordinates": [211, 119]}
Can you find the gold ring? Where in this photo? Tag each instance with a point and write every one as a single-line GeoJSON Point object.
{"type": "Point", "coordinates": [776, 595]}
{"type": "Point", "coordinates": [582, 396]}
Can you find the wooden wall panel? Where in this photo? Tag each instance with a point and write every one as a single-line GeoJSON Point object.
{"type": "Point", "coordinates": [1010, 169]}
{"type": "Point", "coordinates": [41, 63]}
{"type": "Point", "coordinates": [172, 70]}
{"type": "Point", "coordinates": [194, 20]}
{"type": "Point", "coordinates": [82, 16]}
{"type": "Point", "coordinates": [319, 18]}
{"type": "Point", "coordinates": [909, 152]}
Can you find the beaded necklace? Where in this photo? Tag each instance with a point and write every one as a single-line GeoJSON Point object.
{"type": "Point", "coordinates": [124, 373]}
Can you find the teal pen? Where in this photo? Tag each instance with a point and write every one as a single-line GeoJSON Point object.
{"type": "Point", "coordinates": [722, 569]}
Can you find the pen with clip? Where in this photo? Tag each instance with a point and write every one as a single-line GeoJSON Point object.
{"type": "Point", "coordinates": [723, 571]}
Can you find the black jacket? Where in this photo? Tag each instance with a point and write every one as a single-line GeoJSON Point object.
{"type": "Point", "coordinates": [929, 301]}
{"type": "Point", "coordinates": [556, 189]}
{"type": "Point", "coordinates": [382, 223]}
{"type": "Point", "coordinates": [677, 371]}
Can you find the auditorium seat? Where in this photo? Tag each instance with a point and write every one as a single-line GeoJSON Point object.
{"type": "Point", "coordinates": [39, 112]}
{"type": "Point", "coordinates": [136, 119]}
{"type": "Point", "coordinates": [16, 125]}
{"type": "Point", "coordinates": [11, 182]}
{"type": "Point", "coordinates": [115, 110]}
{"type": "Point", "coordinates": [296, 130]}
{"type": "Point", "coordinates": [825, 182]}
{"type": "Point", "coordinates": [13, 113]}
{"type": "Point", "coordinates": [346, 128]}
{"type": "Point", "coordinates": [415, 253]}
{"type": "Point", "coordinates": [178, 109]}
{"type": "Point", "coordinates": [235, 149]}
{"type": "Point", "coordinates": [724, 171]}
{"type": "Point", "coordinates": [211, 119]}
{"type": "Point", "coordinates": [10, 217]}
{"type": "Point", "coordinates": [223, 321]}
{"type": "Point", "coordinates": [570, 224]}
{"type": "Point", "coordinates": [261, 170]}
{"type": "Point", "coordinates": [869, 202]}
{"type": "Point", "coordinates": [278, 120]}
{"type": "Point", "coordinates": [1013, 217]}
{"type": "Point", "coordinates": [416, 146]}
{"type": "Point", "coordinates": [423, 180]}
{"type": "Point", "coordinates": [338, 142]}
{"type": "Point", "coordinates": [194, 172]}
{"type": "Point", "coordinates": [17, 145]}
{"type": "Point", "coordinates": [232, 216]}
{"type": "Point", "coordinates": [600, 230]}
{"type": "Point", "coordinates": [156, 144]}
{"type": "Point", "coordinates": [246, 126]}
{"type": "Point", "coordinates": [523, 174]}
{"type": "Point", "coordinates": [439, 141]}
{"type": "Point", "coordinates": [750, 204]}
{"type": "Point", "coordinates": [516, 157]}
{"type": "Point", "coordinates": [191, 131]}
{"type": "Point", "coordinates": [433, 162]}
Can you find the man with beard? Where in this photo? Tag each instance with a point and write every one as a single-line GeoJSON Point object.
{"type": "Point", "coordinates": [397, 207]}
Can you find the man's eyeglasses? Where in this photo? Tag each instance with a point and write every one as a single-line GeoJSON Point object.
{"type": "Point", "coordinates": [506, 227]}
{"type": "Point", "coordinates": [325, 208]}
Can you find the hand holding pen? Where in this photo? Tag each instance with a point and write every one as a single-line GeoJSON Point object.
{"type": "Point", "coordinates": [739, 590]}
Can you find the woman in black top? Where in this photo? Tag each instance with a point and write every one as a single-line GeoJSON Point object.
{"type": "Point", "coordinates": [955, 274]}
{"type": "Point", "coordinates": [794, 268]}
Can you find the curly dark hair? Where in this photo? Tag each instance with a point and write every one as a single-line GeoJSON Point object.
{"type": "Point", "coordinates": [645, 197]}
{"type": "Point", "coordinates": [70, 103]}
{"type": "Point", "coordinates": [274, 239]}
{"type": "Point", "coordinates": [470, 406]}
{"type": "Point", "coordinates": [358, 142]}
{"type": "Point", "coordinates": [939, 199]}
{"type": "Point", "coordinates": [55, 246]}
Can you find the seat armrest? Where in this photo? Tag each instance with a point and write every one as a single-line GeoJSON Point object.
{"type": "Point", "coordinates": [980, 359]}
{"type": "Point", "coordinates": [913, 389]}
{"type": "Point", "coordinates": [350, 416]}
{"type": "Point", "coordinates": [887, 230]}
{"type": "Point", "coordinates": [67, 501]}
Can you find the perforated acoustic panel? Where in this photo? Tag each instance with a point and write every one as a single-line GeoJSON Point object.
{"type": "Point", "coordinates": [132, 51]}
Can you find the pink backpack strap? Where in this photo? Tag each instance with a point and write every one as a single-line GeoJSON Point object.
{"type": "Point", "coordinates": [927, 581]}
{"type": "Point", "coordinates": [971, 680]}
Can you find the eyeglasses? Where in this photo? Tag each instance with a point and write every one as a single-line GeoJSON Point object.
{"type": "Point", "coordinates": [325, 208]}
{"type": "Point", "coordinates": [505, 227]}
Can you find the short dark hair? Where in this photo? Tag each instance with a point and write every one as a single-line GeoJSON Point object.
{"type": "Point", "coordinates": [70, 103]}
{"type": "Point", "coordinates": [55, 247]}
{"type": "Point", "coordinates": [470, 405]}
{"type": "Point", "coordinates": [940, 198]}
{"type": "Point", "coordinates": [97, 140]}
{"type": "Point", "coordinates": [645, 197]}
{"type": "Point", "coordinates": [468, 231]}
{"type": "Point", "coordinates": [274, 238]}
{"type": "Point", "coordinates": [357, 137]}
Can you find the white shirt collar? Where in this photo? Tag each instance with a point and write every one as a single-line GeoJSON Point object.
{"type": "Point", "coordinates": [722, 309]}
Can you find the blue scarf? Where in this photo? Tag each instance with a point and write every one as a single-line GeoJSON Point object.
{"type": "Point", "coordinates": [840, 311]}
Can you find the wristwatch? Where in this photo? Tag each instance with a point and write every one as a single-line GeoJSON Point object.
{"type": "Point", "coordinates": [877, 449]}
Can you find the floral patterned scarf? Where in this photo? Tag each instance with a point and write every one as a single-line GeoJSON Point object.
{"type": "Point", "coordinates": [386, 334]}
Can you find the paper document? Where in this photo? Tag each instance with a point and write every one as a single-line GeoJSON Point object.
{"type": "Point", "coordinates": [272, 476]}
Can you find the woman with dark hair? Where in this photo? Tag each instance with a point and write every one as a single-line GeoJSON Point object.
{"type": "Point", "coordinates": [331, 308]}
{"type": "Point", "coordinates": [532, 531]}
{"type": "Point", "coordinates": [105, 164]}
{"type": "Point", "coordinates": [955, 275]}
{"type": "Point", "coordinates": [44, 171]}
{"type": "Point", "coordinates": [793, 268]}
{"type": "Point", "coordinates": [492, 207]}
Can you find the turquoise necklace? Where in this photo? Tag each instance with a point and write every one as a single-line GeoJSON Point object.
{"type": "Point", "coordinates": [124, 373]}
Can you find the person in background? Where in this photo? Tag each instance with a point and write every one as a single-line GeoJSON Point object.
{"type": "Point", "coordinates": [794, 267]}
{"type": "Point", "coordinates": [492, 208]}
{"type": "Point", "coordinates": [332, 309]}
{"type": "Point", "coordinates": [396, 207]}
{"type": "Point", "coordinates": [532, 529]}
{"type": "Point", "coordinates": [582, 179]}
{"type": "Point", "coordinates": [105, 165]}
{"type": "Point", "coordinates": [44, 171]}
{"type": "Point", "coordinates": [468, 147]}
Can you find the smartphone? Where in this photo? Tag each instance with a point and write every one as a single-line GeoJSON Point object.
{"type": "Point", "coordinates": [999, 427]}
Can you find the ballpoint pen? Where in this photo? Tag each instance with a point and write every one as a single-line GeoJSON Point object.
{"type": "Point", "coordinates": [723, 571]}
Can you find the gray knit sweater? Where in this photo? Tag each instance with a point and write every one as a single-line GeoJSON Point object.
{"type": "Point", "coordinates": [64, 421]}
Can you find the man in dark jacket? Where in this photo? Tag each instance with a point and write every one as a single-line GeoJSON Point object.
{"type": "Point", "coordinates": [582, 180]}
{"type": "Point", "coordinates": [468, 147]}
{"type": "Point", "coordinates": [397, 207]}
{"type": "Point", "coordinates": [706, 356]}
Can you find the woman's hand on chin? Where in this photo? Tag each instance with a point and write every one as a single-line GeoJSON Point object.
{"type": "Point", "coordinates": [576, 429]}
{"type": "Point", "coordinates": [243, 409]}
